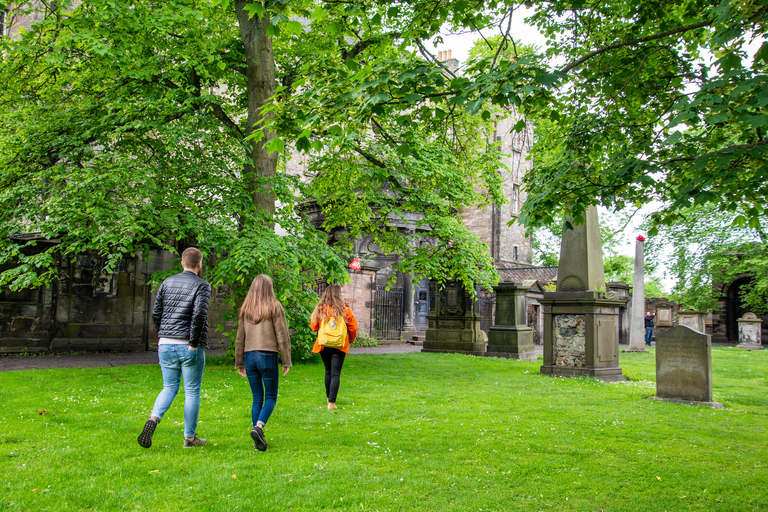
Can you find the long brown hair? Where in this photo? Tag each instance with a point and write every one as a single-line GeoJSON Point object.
{"type": "Point", "coordinates": [331, 305]}
{"type": "Point", "coordinates": [260, 303]}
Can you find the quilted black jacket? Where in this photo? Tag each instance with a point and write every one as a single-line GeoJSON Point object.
{"type": "Point", "coordinates": [181, 308]}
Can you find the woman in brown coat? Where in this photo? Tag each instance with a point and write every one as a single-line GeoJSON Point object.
{"type": "Point", "coordinates": [262, 331]}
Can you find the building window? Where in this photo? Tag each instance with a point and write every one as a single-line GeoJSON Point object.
{"type": "Point", "coordinates": [515, 199]}
{"type": "Point", "coordinates": [3, 28]}
{"type": "Point", "coordinates": [514, 253]}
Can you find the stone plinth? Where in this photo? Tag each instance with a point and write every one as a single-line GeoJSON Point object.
{"type": "Point", "coordinates": [750, 332]}
{"type": "Point", "coordinates": [581, 337]}
{"type": "Point", "coordinates": [693, 319]}
{"type": "Point", "coordinates": [684, 366]}
{"type": "Point", "coordinates": [454, 325]}
{"type": "Point", "coordinates": [510, 335]}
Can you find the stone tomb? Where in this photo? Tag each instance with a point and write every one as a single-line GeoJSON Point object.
{"type": "Point", "coordinates": [693, 319]}
{"type": "Point", "coordinates": [510, 336]}
{"type": "Point", "coordinates": [684, 367]}
{"type": "Point", "coordinates": [454, 322]}
{"type": "Point", "coordinates": [750, 332]}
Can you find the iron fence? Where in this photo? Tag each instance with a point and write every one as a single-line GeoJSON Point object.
{"type": "Point", "coordinates": [388, 311]}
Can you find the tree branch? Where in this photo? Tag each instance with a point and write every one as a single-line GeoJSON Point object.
{"type": "Point", "coordinates": [763, 142]}
{"type": "Point", "coordinates": [631, 42]}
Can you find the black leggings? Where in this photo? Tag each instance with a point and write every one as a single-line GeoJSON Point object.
{"type": "Point", "coordinates": [333, 359]}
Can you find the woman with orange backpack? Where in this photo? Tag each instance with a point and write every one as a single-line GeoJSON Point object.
{"type": "Point", "coordinates": [336, 328]}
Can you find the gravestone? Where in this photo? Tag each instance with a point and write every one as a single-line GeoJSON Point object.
{"type": "Point", "coordinates": [581, 326]}
{"type": "Point", "coordinates": [693, 319]}
{"type": "Point", "coordinates": [510, 336]}
{"type": "Point", "coordinates": [750, 332]}
{"type": "Point", "coordinates": [684, 367]}
{"type": "Point", "coordinates": [637, 324]}
{"type": "Point", "coordinates": [663, 317]}
{"type": "Point", "coordinates": [454, 325]}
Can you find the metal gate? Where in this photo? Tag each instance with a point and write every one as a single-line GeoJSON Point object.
{"type": "Point", "coordinates": [388, 308]}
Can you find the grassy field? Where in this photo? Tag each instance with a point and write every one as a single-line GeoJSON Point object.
{"type": "Point", "coordinates": [413, 432]}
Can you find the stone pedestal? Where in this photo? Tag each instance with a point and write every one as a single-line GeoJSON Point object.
{"type": "Point", "coordinates": [510, 335]}
{"type": "Point", "coordinates": [684, 367]}
{"type": "Point", "coordinates": [637, 325]}
{"type": "Point", "coordinates": [581, 328]}
{"type": "Point", "coordinates": [696, 320]}
{"type": "Point", "coordinates": [581, 337]}
{"type": "Point", "coordinates": [750, 332]}
{"type": "Point", "coordinates": [454, 325]}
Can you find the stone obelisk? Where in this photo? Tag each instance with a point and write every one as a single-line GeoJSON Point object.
{"type": "Point", "coordinates": [581, 325]}
{"type": "Point", "coordinates": [637, 324]}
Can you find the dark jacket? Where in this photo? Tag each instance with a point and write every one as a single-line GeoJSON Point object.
{"type": "Point", "coordinates": [649, 321]}
{"type": "Point", "coordinates": [181, 308]}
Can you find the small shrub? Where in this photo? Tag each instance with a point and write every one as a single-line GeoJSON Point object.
{"type": "Point", "coordinates": [363, 340]}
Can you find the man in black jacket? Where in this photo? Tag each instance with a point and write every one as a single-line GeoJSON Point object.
{"type": "Point", "coordinates": [181, 319]}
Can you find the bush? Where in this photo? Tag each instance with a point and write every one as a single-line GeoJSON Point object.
{"type": "Point", "coordinates": [363, 340]}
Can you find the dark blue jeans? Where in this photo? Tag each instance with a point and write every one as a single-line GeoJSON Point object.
{"type": "Point", "coordinates": [648, 335]}
{"type": "Point", "coordinates": [263, 373]}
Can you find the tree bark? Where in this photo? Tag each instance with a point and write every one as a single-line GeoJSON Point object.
{"type": "Point", "coordinates": [260, 75]}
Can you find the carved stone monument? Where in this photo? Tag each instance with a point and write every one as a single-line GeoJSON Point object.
{"type": "Point", "coordinates": [581, 327]}
{"type": "Point", "coordinates": [684, 367]}
{"type": "Point", "coordinates": [693, 319]}
{"type": "Point", "coordinates": [663, 317]}
{"type": "Point", "coordinates": [750, 332]}
{"type": "Point", "coordinates": [510, 335]}
{"type": "Point", "coordinates": [454, 324]}
{"type": "Point", "coordinates": [637, 324]}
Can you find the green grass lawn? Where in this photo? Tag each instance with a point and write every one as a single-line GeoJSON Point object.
{"type": "Point", "coordinates": [413, 432]}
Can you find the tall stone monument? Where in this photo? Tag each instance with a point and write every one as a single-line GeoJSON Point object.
{"type": "Point", "coordinates": [637, 322]}
{"type": "Point", "coordinates": [454, 322]}
{"type": "Point", "coordinates": [510, 335]}
{"type": "Point", "coordinates": [684, 367]}
{"type": "Point", "coordinates": [581, 327]}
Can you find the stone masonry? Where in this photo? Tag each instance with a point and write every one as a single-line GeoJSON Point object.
{"type": "Point", "coordinates": [570, 337]}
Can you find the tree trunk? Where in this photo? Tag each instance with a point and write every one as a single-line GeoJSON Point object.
{"type": "Point", "coordinates": [260, 74]}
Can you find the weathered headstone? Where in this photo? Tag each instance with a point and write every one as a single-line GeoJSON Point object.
{"type": "Point", "coordinates": [454, 325]}
{"type": "Point", "coordinates": [581, 327]}
{"type": "Point", "coordinates": [693, 319]}
{"type": "Point", "coordinates": [663, 317]}
{"type": "Point", "coordinates": [750, 332]}
{"type": "Point", "coordinates": [510, 336]}
{"type": "Point", "coordinates": [684, 366]}
{"type": "Point", "coordinates": [637, 324]}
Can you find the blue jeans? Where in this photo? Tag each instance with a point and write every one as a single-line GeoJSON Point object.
{"type": "Point", "coordinates": [648, 335]}
{"type": "Point", "coordinates": [263, 374]}
{"type": "Point", "coordinates": [177, 361]}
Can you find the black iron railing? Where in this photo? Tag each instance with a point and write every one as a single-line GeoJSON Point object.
{"type": "Point", "coordinates": [388, 311]}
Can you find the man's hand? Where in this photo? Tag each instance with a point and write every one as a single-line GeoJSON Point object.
{"type": "Point", "coordinates": [241, 371]}
{"type": "Point", "coordinates": [286, 369]}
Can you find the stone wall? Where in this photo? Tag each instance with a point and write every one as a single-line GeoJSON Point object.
{"type": "Point", "coordinates": [507, 244]}
{"type": "Point", "coordinates": [89, 310]}
{"type": "Point", "coordinates": [569, 340]}
{"type": "Point", "coordinates": [359, 294]}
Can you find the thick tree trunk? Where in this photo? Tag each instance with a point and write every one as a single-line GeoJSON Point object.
{"type": "Point", "coordinates": [260, 75]}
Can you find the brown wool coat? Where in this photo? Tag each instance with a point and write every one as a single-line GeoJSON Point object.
{"type": "Point", "coordinates": [269, 335]}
